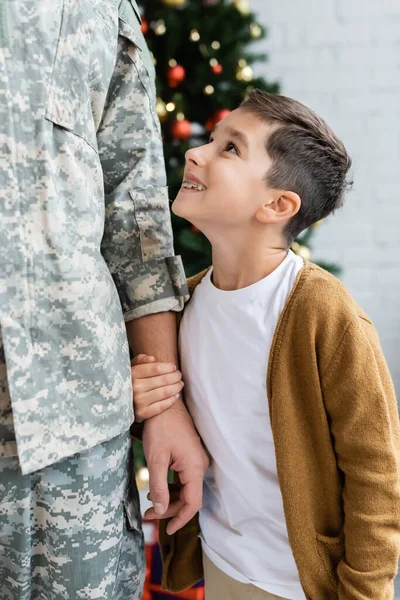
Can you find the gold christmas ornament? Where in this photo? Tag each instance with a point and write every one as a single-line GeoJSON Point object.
{"type": "Point", "coordinates": [170, 107]}
{"type": "Point", "coordinates": [243, 6]}
{"type": "Point", "coordinates": [194, 35]}
{"type": "Point", "coordinates": [159, 28]}
{"type": "Point", "coordinates": [255, 30]}
{"type": "Point", "coordinates": [174, 3]}
{"type": "Point", "coordinates": [142, 478]}
{"type": "Point", "coordinates": [215, 45]}
{"type": "Point", "coordinates": [209, 90]}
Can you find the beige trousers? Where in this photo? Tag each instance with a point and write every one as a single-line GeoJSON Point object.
{"type": "Point", "coordinates": [219, 586]}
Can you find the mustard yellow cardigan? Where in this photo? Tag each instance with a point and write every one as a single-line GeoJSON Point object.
{"type": "Point", "coordinates": [336, 430]}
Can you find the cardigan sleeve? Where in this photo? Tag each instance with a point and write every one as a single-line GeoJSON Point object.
{"type": "Point", "coordinates": [360, 400]}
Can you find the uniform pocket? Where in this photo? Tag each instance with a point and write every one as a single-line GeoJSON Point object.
{"type": "Point", "coordinates": [331, 551]}
{"type": "Point", "coordinates": [83, 66]}
{"type": "Point", "coordinates": [131, 506]}
{"type": "Point", "coordinates": [151, 210]}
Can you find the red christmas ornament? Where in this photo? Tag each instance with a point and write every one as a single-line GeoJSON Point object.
{"type": "Point", "coordinates": [181, 130]}
{"type": "Point", "coordinates": [175, 75]}
{"type": "Point", "coordinates": [216, 69]}
{"type": "Point", "coordinates": [216, 118]}
{"type": "Point", "coordinates": [144, 27]}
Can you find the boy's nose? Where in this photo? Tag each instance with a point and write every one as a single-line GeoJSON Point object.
{"type": "Point", "coordinates": [195, 156]}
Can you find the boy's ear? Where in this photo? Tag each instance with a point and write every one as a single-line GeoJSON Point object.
{"type": "Point", "coordinates": [281, 207]}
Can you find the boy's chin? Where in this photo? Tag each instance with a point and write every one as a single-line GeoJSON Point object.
{"type": "Point", "coordinates": [178, 208]}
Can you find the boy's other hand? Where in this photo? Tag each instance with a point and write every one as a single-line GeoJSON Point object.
{"type": "Point", "coordinates": [156, 386]}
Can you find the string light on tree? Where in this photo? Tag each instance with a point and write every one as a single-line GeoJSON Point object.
{"type": "Point", "coordinates": [243, 6]}
{"type": "Point", "coordinates": [215, 45]}
{"type": "Point", "coordinates": [170, 107]}
{"type": "Point", "coordinates": [159, 27]}
{"type": "Point", "coordinates": [244, 72]}
{"type": "Point", "coordinates": [194, 35]}
{"type": "Point", "coordinates": [208, 90]}
{"type": "Point", "coordinates": [161, 109]}
{"type": "Point", "coordinates": [255, 30]}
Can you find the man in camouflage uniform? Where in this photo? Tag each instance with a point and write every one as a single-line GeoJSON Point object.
{"type": "Point", "coordinates": [87, 263]}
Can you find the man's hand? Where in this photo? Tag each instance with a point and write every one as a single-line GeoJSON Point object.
{"type": "Point", "coordinates": [171, 441]}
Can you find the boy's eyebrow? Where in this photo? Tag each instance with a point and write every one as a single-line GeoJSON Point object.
{"type": "Point", "coordinates": [235, 134]}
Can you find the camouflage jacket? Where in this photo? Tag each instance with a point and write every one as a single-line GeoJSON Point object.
{"type": "Point", "coordinates": [85, 232]}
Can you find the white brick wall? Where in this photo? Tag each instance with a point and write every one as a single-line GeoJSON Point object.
{"type": "Point", "coordinates": [342, 58]}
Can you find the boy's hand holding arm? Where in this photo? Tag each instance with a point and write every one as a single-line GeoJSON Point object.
{"type": "Point", "coordinates": [156, 386]}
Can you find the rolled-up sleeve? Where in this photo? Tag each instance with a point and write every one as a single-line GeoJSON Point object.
{"type": "Point", "coordinates": [137, 243]}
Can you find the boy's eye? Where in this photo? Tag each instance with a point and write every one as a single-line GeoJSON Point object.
{"type": "Point", "coordinates": [231, 147]}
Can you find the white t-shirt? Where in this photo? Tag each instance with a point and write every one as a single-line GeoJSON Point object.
{"type": "Point", "coordinates": [225, 340]}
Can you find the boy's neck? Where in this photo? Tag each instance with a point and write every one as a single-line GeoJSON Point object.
{"type": "Point", "coordinates": [238, 267]}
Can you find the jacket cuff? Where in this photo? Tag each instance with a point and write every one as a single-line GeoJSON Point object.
{"type": "Point", "coordinates": [151, 287]}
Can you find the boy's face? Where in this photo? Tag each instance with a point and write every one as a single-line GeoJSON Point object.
{"type": "Point", "coordinates": [230, 172]}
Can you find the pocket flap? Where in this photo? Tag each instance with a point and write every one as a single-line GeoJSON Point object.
{"type": "Point", "coordinates": [151, 208]}
{"type": "Point", "coordinates": [130, 23]}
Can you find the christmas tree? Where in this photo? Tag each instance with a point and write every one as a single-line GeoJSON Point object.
{"type": "Point", "coordinates": [203, 54]}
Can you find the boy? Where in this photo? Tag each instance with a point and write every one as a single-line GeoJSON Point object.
{"type": "Point", "coordinates": [284, 378]}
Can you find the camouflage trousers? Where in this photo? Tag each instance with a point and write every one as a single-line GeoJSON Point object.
{"type": "Point", "coordinates": [71, 530]}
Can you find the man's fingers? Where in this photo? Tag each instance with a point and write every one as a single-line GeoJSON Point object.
{"type": "Point", "coordinates": [158, 484]}
{"type": "Point", "coordinates": [172, 510]}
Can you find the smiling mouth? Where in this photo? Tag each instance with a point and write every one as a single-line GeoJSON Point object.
{"type": "Point", "coordinates": [190, 185]}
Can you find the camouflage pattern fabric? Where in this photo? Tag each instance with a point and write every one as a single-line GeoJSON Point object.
{"type": "Point", "coordinates": [72, 530]}
{"type": "Point", "coordinates": [85, 233]}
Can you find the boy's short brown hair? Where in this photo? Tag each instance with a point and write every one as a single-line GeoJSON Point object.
{"type": "Point", "coordinates": [307, 158]}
